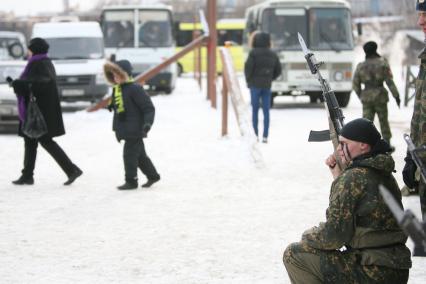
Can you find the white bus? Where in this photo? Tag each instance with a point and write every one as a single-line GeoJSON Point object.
{"type": "Point", "coordinates": [326, 27]}
{"type": "Point", "coordinates": [144, 36]}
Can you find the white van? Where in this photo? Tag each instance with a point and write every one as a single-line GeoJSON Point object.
{"type": "Point", "coordinates": [77, 51]}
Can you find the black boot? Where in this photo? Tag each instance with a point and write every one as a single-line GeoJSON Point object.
{"type": "Point", "coordinates": [128, 185]}
{"type": "Point", "coordinates": [24, 180]}
{"type": "Point", "coordinates": [150, 182]}
{"type": "Point", "coordinates": [73, 176]}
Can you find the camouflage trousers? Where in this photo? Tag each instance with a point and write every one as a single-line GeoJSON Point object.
{"type": "Point", "coordinates": [370, 109]}
{"type": "Point", "coordinates": [308, 265]}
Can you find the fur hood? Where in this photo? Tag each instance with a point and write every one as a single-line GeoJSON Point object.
{"type": "Point", "coordinates": [111, 68]}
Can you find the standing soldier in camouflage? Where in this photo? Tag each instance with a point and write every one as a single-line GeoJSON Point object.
{"type": "Point", "coordinates": [360, 241]}
{"type": "Point", "coordinates": [418, 121]}
{"type": "Point", "coordinates": [374, 97]}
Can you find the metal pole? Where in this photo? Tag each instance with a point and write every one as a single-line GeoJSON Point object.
{"type": "Point", "coordinates": [224, 102]}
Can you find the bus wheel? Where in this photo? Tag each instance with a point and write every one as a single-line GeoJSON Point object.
{"type": "Point", "coordinates": [343, 98]}
{"type": "Point", "coordinates": [313, 99]}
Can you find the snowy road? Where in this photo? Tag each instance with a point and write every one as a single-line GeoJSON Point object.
{"type": "Point", "coordinates": [213, 218]}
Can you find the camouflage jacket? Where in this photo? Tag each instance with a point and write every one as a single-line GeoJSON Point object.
{"type": "Point", "coordinates": [418, 121]}
{"type": "Point", "coordinates": [372, 73]}
{"type": "Point", "coordinates": [358, 218]}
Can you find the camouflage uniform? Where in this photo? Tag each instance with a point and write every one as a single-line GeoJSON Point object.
{"type": "Point", "coordinates": [358, 219]}
{"type": "Point", "coordinates": [374, 97]}
{"type": "Point", "coordinates": [418, 122]}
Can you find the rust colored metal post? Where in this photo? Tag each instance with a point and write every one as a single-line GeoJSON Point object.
{"type": "Point", "coordinates": [211, 52]}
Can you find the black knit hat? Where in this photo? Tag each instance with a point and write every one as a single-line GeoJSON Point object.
{"type": "Point", "coordinates": [370, 48]}
{"type": "Point", "coordinates": [261, 39]}
{"type": "Point", "coordinates": [421, 5]}
{"type": "Point", "coordinates": [38, 46]}
{"type": "Point", "coordinates": [361, 130]}
{"type": "Point", "coordinates": [126, 66]}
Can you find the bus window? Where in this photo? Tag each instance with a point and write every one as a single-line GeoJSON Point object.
{"type": "Point", "coordinates": [118, 28]}
{"type": "Point", "coordinates": [331, 29]}
{"type": "Point", "coordinates": [234, 36]}
{"type": "Point", "coordinates": [283, 25]}
{"type": "Point", "coordinates": [155, 29]}
{"type": "Point", "coordinates": [183, 37]}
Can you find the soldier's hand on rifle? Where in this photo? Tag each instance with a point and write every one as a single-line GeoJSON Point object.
{"type": "Point", "coordinates": [331, 162]}
{"type": "Point", "coordinates": [409, 171]}
{"type": "Point", "coordinates": [398, 101]}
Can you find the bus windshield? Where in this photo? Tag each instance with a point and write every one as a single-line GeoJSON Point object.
{"type": "Point", "coordinates": [76, 48]}
{"type": "Point", "coordinates": [330, 28]}
{"type": "Point", "coordinates": [283, 24]}
{"type": "Point", "coordinates": [153, 28]}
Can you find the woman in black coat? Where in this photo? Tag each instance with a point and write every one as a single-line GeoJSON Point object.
{"type": "Point", "coordinates": [261, 68]}
{"type": "Point", "coordinates": [39, 78]}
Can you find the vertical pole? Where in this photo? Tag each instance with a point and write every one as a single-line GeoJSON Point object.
{"type": "Point", "coordinates": [200, 66]}
{"type": "Point", "coordinates": [211, 52]}
{"type": "Point", "coordinates": [194, 53]}
{"type": "Point", "coordinates": [224, 102]}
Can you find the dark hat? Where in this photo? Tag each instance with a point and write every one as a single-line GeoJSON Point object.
{"type": "Point", "coordinates": [38, 46]}
{"type": "Point", "coordinates": [126, 66]}
{"type": "Point", "coordinates": [370, 48]}
{"type": "Point", "coordinates": [421, 5]}
{"type": "Point", "coordinates": [361, 130]}
{"type": "Point", "coordinates": [261, 39]}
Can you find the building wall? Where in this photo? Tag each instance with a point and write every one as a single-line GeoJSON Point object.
{"type": "Point", "coordinates": [368, 8]}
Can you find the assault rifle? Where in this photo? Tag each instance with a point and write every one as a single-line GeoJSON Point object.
{"type": "Point", "coordinates": [411, 226]}
{"type": "Point", "coordinates": [415, 155]}
{"type": "Point", "coordinates": [334, 112]}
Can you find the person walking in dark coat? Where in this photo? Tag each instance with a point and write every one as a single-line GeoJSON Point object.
{"type": "Point", "coordinates": [39, 78]}
{"type": "Point", "coordinates": [133, 117]}
{"type": "Point", "coordinates": [260, 69]}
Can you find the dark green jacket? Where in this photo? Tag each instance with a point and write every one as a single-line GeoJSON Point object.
{"type": "Point", "coordinates": [359, 219]}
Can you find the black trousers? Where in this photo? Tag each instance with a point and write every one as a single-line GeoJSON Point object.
{"type": "Point", "coordinates": [134, 156]}
{"type": "Point", "coordinates": [52, 148]}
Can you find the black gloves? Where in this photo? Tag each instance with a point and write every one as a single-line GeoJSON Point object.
{"type": "Point", "coordinates": [110, 107]}
{"type": "Point", "coordinates": [409, 171]}
{"type": "Point", "coordinates": [398, 101]}
{"type": "Point", "coordinates": [146, 129]}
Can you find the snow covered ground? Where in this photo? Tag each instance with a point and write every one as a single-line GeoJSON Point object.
{"type": "Point", "coordinates": [213, 218]}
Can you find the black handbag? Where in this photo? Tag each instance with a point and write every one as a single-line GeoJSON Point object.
{"type": "Point", "coordinates": [34, 125]}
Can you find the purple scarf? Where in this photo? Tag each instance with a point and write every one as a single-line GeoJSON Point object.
{"type": "Point", "coordinates": [21, 101]}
